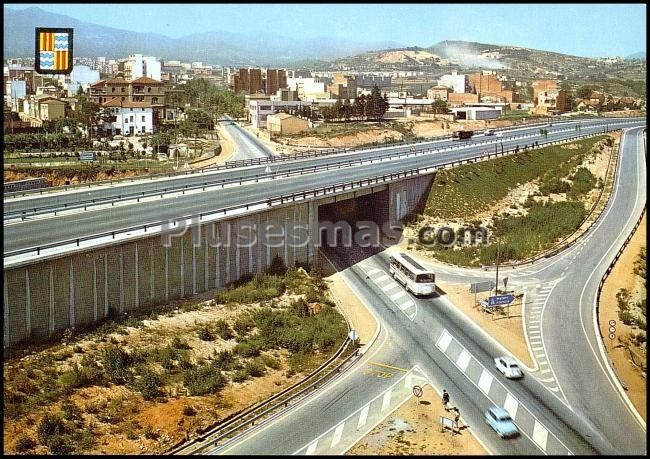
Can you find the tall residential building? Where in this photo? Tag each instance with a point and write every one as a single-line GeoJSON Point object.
{"type": "Point", "coordinates": [275, 79]}
{"type": "Point", "coordinates": [137, 66]}
{"type": "Point", "coordinates": [489, 88]}
{"type": "Point", "coordinates": [248, 81]}
{"type": "Point", "coordinates": [343, 86]}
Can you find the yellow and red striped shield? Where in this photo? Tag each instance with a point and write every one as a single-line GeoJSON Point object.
{"type": "Point", "coordinates": [53, 50]}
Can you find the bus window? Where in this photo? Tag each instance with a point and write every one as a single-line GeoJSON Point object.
{"type": "Point", "coordinates": [425, 278]}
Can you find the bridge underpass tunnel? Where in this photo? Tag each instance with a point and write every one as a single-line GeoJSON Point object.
{"type": "Point", "coordinates": [360, 221]}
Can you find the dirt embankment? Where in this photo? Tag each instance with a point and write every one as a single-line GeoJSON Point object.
{"type": "Point", "coordinates": [369, 136]}
{"type": "Point", "coordinates": [628, 353]}
{"type": "Point", "coordinates": [58, 177]}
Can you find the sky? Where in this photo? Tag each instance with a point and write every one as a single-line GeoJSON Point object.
{"type": "Point", "coordinates": [589, 30]}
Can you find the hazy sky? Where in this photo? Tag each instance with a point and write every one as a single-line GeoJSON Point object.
{"type": "Point", "coordinates": [579, 29]}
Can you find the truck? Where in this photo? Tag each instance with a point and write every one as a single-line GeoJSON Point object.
{"type": "Point", "coordinates": [463, 135]}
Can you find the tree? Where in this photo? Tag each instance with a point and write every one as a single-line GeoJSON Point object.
{"type": "Point", "coordinates": [376, 105]}
{"type": "Point", "coordinates": [359, 107]}
{"type": "Point", "coordinates": [347, 110]}
{"type": "Point", "coordinates": [585, 91]}
{"type": "Point", "coordinates": [440, 106]}
{"type": "Point", "coordinates": [338, 109]}
{"type": "Point", "coordinates": [88, 114]}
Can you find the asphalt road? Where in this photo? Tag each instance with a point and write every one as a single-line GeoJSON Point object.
{"type": "Point", "coordinates": [245, 147]}
{"type": "Point", "coordinates": [41, 230]}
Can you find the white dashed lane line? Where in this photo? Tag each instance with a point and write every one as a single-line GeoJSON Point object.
{"type": "Point", "coordinates": [398, 296]}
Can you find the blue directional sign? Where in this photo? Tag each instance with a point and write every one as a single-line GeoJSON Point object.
{"type": "Point", "coordinates": [500, 299]}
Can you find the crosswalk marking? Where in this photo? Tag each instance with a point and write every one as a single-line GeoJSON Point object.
{"type": "Point", "coordinates": [382, 278]}
{"type": "Point", "coordinates": [510, 405]}
{"type": "Point", "coordinates": [485, 381]}
{"type": "Point", "coordinates": [406, 305]}
{"type": "Point", "coordinates": [444, 340]}
{"type": "Point", "coordinates": [363, 416]}
{"type": "Point", "coordinates": [390, 286]}
{"type": "Point", "coordinates": [312, 447]}
{"type": "Point", "coordinates": [372, 271]}
{"type": "Point", "coordinates": [337, 434]}
{"type": "Point", "coordinates": [540, 435]}
{"type": "Point", "coordinates": [463, 360]}
{"type": "Point", "coordinates": [386, 401]}
{"type": "Point", "coordinates": [397, 295]}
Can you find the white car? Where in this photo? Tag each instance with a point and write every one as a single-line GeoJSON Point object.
{"type": "Point", "coordinates": [509, 367]}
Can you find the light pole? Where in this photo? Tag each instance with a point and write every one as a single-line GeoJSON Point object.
{"type": "Point", "coordinates": [496, 287]}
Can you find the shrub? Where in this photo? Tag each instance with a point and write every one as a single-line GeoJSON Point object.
{"type": "Point", "coordinates": [149, 384]}
{"type": "Point", "coordinates": [24, 443]}
{"type": "Point", "coordinates": [299, 307]}
{"type": "Point", "coordinates": [268, 361]}
{"type": "Point", "coordinates": [78, 376]}
{"type": "Point", "coordinates": [189, 411]}
{"type": "Point", "coordinates": [555, 186]}
{"type": "Point", "coordinates": [51, 425]}
{"type": "Point", "coordinates": [116, 362]}
{"type": "Point", "coordinates": [240, 376]}
{"type": "Point", "coordinates": [71, 412]}
{"type": "Point", "coordinates": [243, 324]}
{"type": "Point", "coordinates": [223, 329]}
{"type": "Point", "coordinates": [178, 343]}
{"type": "Point", "coordinates": [625, 316]}
{"type": "Point", "coordinates": [203, 380]}
{"type": "Point", "coordinates": [251, 347]}
{"type": "Point", "coordinates": [254, 368]}
{"type": "Point", "coordinates": [224, 360]}
{"type": "Point", "coordinates": [205, 334]}
{"type": "Point", "coordinates": [59, 445]}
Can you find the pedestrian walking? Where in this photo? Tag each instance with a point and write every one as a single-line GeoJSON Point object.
{"type": "Point", "coordinates": [445, 398]}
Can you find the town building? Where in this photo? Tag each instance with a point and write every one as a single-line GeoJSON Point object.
{"type": "Point", "coordinates": [248, 81]}
{"type": "Point", "coordinates": [489, 88]}
{"type": "Point", "coordinates": [285, 124]}
{"type": "Point", "coordinates": [476, 113]}
{"type": "Point", "coordinates": [259, 110]}
{"type": "Point", "coordinates": [129, 118]}
{"type": "Point", "coordinates": [143, 89]}
{"type": "Point", "coordinates": [343, 86]}
{"type": "Point", "coordinates": [456, 82]}
{"type": "Point", "coordinates": [137, 66]}
{"type": "Point", "coordinates": [438, 93]}
{"type": "Point", "coordinates": [458, 99]}
{"type": "Point", "coordinates": [553, 101]}
{"type": "Point", "coordinates": [275, 79]}
{"type": "Point", "coordinates": [543, 85]}
{"type": "Point", "coordinates": [22, 73]}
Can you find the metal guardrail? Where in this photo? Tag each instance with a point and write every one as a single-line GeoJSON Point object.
{"type": "Point", "coordinates": [249, 416]}
{"type": "Point", "coordinates": [231, 165]}
{"type": "Point", "coordinates": [291, 197]}
{"type": "Point", "coordinates": [120, 197]}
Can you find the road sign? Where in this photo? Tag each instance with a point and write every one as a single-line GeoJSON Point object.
{"type": "Point", "coordinates": [417, 391]}
{"type": "Point", "coordinates": [267, 170]}
{"type": "Point", "coordinates": [505, 282]}
{"type": "Point", "coordinates": [481, 287]}
{"type": "Point", "coordinates": [500, 299]}
{"type": "Point", "coordinates": [353, 335]}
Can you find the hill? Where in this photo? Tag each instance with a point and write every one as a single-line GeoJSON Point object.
{"type": "Point", "coordinates": [216, 47]}
{"type": "Point", "coordinates": [518, 61]}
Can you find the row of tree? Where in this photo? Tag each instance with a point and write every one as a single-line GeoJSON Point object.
{"type": "Point", "coordinates": [371, 107]}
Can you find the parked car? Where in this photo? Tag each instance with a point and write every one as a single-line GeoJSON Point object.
{"type": "Point", "coordinates": [509, 367]}
{"type": "Point", "coordinates": [489, 132]}
{"type": "Point", "coordinates": [499, 419]}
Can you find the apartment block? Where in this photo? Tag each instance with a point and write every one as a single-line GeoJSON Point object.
{"type": "Point", "coordinates": [343, 86]}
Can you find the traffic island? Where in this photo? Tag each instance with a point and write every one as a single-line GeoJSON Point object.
{"type": "Point", "coordinates": [414, 428]}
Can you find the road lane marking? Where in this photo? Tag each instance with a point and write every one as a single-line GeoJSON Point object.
{"type": "Point", "coordinates": [382, 278]}
{"type": "Point", "coordinates": [387, 366]}
{"type": "Point", "coordinates": [337, 434]}
{"type": "Point", "coordinates": [372, 271]}
{"type": "Point", "coordinates": [463, 360]}
{"type": "Point", "coordinates": [510, 405]}
{"type": "Point", "coordinates": [406, 305]}
{"type": "Point", "coordinates": [540, 435]}
{"type": "Point", "coordinates": [363, 417]}
{"type": "Point", "coordinates": [397, 295]}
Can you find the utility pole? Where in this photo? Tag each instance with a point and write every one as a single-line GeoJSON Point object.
{"type": "Point", "coordinates": [496, 287]}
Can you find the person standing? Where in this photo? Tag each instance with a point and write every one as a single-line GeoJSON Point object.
{"type": "Point", "coordinates": [457, 417]}
{"type": "Point", "coordinates": [445, 398]}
